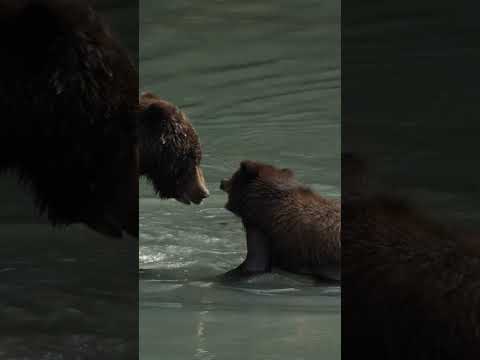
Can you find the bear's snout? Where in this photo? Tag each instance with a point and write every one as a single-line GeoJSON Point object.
{"type": "Point", "coordinates": [197, 190]}
{"type": "Point", "coordinates": [202, 194]}
{"type": "Point", "coordinates": [224, 185]}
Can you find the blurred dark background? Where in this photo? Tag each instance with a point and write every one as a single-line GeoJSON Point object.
{"type": "Point", "coordinates": [409, 101]}
{"type": "Point", "coordinates": [123, 17]}
{"type": "Point", "coordinates": [410, 88]}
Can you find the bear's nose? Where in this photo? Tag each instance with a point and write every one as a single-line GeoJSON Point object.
{"type": "Point", "coordinates": [205, 193]}
{"type": "Point", "coordinates": [222, 185]}
{"type": "Point", "coordinates": [201, 195]}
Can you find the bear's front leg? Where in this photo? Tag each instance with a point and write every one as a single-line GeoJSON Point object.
{"type": "Point", "coordinates": [259, 256]}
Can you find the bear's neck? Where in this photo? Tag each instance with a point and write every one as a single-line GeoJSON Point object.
{"type": "Point", "coordinates": [259, 253]}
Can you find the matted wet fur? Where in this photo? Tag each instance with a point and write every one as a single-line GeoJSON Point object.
{"type": "Point", "coordinates": [287, 224]}
{"type": "Point", "coordinates": [169, 151]}
{"type": "Point", "coordinates": [68, 94]}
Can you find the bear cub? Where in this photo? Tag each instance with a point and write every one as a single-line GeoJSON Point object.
{"type": "Point", "coordinates": [288, 226]}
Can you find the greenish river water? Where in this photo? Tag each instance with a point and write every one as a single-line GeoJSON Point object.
{"type": "Point", "coordinates": [259, 80]}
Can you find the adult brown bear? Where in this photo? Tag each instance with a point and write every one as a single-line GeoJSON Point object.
{"type": "Point", "coordinates": [68, 94]}
{"type": "Point", "coordinates": [169, 151]}
{"type": "Point", "coordinates": [288, 226]}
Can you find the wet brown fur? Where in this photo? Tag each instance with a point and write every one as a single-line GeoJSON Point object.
{"type": "Point", "coordinates": [303, 227]}
{"type": "Point", "coordinates": [169, 148]}
{"type": "Point", "coordinates": [68, 94]}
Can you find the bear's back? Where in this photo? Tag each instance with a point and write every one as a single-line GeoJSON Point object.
{"type": "Point", "coordinates": [309, 237]}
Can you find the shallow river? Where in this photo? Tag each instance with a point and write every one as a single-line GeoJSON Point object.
{"type": "Point", "coordinates": [259, 80]}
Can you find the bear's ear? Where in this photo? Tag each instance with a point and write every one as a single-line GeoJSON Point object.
{"type": "Point", "coordinates": [249, 168]}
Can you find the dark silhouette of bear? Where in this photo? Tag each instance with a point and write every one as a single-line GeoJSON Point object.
{"type": "Point", "coordinates": [288, 225]}
{"type": "Point", "coordinates": [68, 97]}
{"type": "Point", "coordinates": [410, 285]}
{"type": "Point", "coordinates": [169, 151]}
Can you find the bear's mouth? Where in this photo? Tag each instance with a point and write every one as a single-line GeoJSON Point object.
{"type": "Point", "coordinates": [195, 190]}
{"type": "Point", "coordinates": [188, 200]}
{"type": "Point", "coordinates": [225, 185]}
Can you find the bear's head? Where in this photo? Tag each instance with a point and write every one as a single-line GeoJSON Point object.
{"type": "Point", "coordinates": [255, 181]}
{"type": "Point", "coordinates": [169, 151]}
